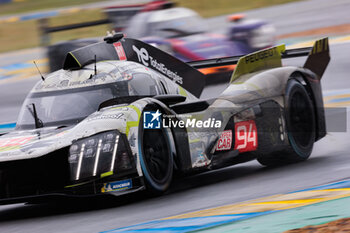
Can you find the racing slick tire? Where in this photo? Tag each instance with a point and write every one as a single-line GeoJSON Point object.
{"type": "Point", "coordinates": [156, 160]}
{"type": "Point", "coordinates": [300, 127]}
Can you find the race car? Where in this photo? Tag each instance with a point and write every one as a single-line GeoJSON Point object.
{"type": "Point", "coordinates": [184, 34]}
{"type": "Point", "coordinates": [123, 116]}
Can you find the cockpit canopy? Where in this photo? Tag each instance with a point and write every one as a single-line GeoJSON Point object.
{"type": "Point", "coordinates": [67, 97]}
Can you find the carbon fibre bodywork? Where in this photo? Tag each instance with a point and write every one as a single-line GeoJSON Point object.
{"type": "Point", "coordinates": [101, 151]}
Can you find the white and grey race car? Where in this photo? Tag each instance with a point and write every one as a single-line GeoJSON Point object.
{"type": "Point", "coordinates": [122, 116]}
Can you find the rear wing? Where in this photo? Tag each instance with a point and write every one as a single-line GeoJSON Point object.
{"type": "Point", "coordinates": [233, 60]}
{"type": "Point", "coordinates": [118, 48]}
{"type": "Point", "coordinates": [317, 61]}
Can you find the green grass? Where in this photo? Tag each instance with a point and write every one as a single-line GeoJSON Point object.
{"type": "Point", "coordinates": [21, 35]}
{"type": "Point", "coordinates": [82, 16]}
{"type": "Point", "coordinates": [22, 6]}
{"type": "Point", "coordinates": [25, 34]}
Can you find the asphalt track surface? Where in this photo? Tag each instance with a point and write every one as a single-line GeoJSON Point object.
{"type": "Point", "coordinates": [299, 16]}
{"type": "Point", "coordinates": [329, 162]}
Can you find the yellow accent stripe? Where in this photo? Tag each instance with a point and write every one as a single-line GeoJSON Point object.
{"type": "Point", "coordinates": [341, 39]}
{"type": "Point", "coordinates": [194, 140]}
{"type": "Point", "coordinates": [75, 59]}
{"type": "Point", "coordinates": [133, 123]}
{"type": "Point", "coordinates": [331, 190]}
{"type": "Point", "coordinates": [182, 91]}
{"type": "Point", "coordinates": [71, 10]}
{"type": "Point", "coordinates": [75, 185]}
{"type": "Point", "coordinates": [287, 202]}
{"type": "Point", "coordinates": [344, 103]}
{"type": "Point", "coordinates": [40, 61]}
{"type": "Point", "coordinates": [339, 104]}
{"type": "Point", "coordinates": [106, 174]}
{"type": "Point", "coordinates": [311, 42]}
{"type": "Point", "coordinates": [130, 106]}
{"type": "Point", "coordinates": [27, 71]}
{"type": "Point", "coordinates": [8, 148]}
{"type": "Point", "coordinates": [328, 98]}
{"type": "Point", "coordinates": [129, 125]}
{"type": "Point", "coordinates": [11, 19]}
{"type": "Point", "coordinates": [136, 109]}
{"type": "Point", "coordinates": [276, 202]}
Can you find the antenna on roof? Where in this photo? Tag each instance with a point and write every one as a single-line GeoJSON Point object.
{"type": "Point", "coordinates": [95, 65]}
{"type": "Point", "coordinates": [42, 77]}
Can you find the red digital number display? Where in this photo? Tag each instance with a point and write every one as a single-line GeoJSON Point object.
{"type": "Point", "coordinates": [246, 136]}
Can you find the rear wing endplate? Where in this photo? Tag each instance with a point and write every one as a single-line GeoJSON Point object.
{"type": "Point", "coordinates": [319, 57]}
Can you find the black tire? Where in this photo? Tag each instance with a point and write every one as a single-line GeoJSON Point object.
{"type": "Point", "coordinates": [156, 160]}
{"type": "Point", "coordinates": [300, 123]}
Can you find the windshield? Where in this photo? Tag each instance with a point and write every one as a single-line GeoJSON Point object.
{"type": "Point", "coordinates": [70, 106]}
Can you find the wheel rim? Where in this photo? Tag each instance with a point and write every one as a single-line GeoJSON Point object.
{"type": "Point", "coordinates": [156, 155]}
{"type": "Point", "coordinates": [300, 119]}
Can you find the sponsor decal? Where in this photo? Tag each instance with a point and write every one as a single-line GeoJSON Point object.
{"type": "Point", "coordinates": [155, 120]}
{"type": "Point", "coordinates": [144, 57]}
{"type": "Point", "coordinates": [117, 186]}
{"type": "Point", "coordinates": [152, 120]}
{"type": "Point", "coordinates": [120, 51]}
{"type": "Point", "coordinates": [106, 117]}
{"type": "Point", "coordinates": [246, 138]}
{"type": "Point", "coordinates": [14, 143]}
{"type": "Point", "coordinates": [261, 55]}
{"type": "Point", "coordinates": [225, 141]}
{"type": "Point", "coordinates": [264, 59]}
{"type": "Point", "coordinates": [126, 76]}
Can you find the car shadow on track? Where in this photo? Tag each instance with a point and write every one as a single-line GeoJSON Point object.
{"type": "Point", "coordinates": [62, 206]}
{"type": "Point", "coordinates": [238, 172]}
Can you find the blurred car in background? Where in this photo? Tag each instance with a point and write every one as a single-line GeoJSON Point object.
{"type": "Point", "coordinates": [184, 34]}
{"type": "Point", "coordinates": [181, 32]}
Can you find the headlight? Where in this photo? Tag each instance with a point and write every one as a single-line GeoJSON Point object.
{"type": "Point", "coordinates": [99, 154]}
{"type": "Point", "coordinates": [263, 36]}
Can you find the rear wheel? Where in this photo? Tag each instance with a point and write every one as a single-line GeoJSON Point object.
{"type": "Point", "coordinates": [156, 160]}
{"type": "Point", "coordinates": [300, 123]}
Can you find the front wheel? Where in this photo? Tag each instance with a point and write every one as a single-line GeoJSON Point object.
{"type": "Point", "coordinates": [300, 123]}
{"type": "Point", "coordinates": [156, 160]}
